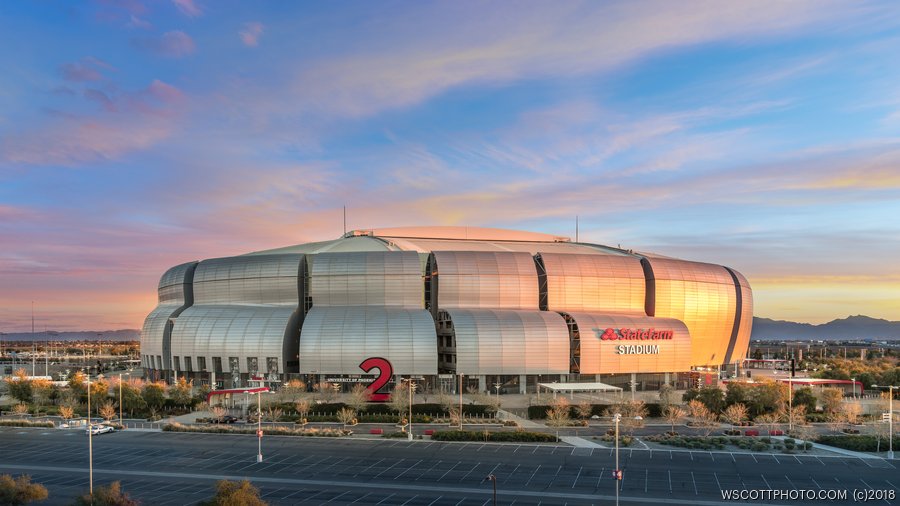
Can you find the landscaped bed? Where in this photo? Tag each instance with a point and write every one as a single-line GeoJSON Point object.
{"type": "Point", "coordinates": [753, 444]}
{"type": "Point", "coordinates": [504, 436]}
{"type": "Point", "coordinates": [858, 443]}
{"type": "Point", "coordinates": [26, 423]}
{"type": "Point", "coordinates": [251, 429]}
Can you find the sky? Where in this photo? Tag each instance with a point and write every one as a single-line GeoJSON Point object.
{"type": "Point", "coordinates": [139, 134]}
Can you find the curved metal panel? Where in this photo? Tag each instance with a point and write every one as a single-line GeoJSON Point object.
{"type": "Point", "coordinates": [510, 342]}
{"type": "Point", "coordinates": [233, 331]}
{"type": "Point", "coordinates": [651, 344]}
{"type": "Point", "coordinates": [479, 279]}
{"type": "Point", "coordinates": [174, 294]}
{"type": "Point", "coordinates": [373, 278]}
{"type": "Point", "coordinates": [335, 340]}
{"type": "Point", "coordinates": [258, 279]}
{"type": "Point", "coordinates": [703, 297]}
{"type": "Point", "coordinates": [594, 283]}
{"type": "Point", "coordinates": [745, 325]}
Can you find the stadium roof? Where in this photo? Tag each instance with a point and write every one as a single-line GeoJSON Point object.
{"type": "Point", "coordinates": [427, 239]}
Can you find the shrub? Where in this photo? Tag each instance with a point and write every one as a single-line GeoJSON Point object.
{"type": "Point", "coordinates": [25, 423]}
{"type": "Point", "coordinates": [513, 436]}
{"type": "Point", "coordinates": [856, 443]}
{"type": "Point", "coordinates": [277, 431]}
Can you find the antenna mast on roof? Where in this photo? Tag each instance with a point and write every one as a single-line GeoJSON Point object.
{"type": "Point", "coordinates": [576, 228]}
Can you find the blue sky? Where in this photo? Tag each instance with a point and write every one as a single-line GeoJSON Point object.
{"type": "Point", "coordinates": [135, 135]}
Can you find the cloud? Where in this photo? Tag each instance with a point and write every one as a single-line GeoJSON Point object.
{"type": "Point", "coordinates": [131, 122]}
{"type": "Point", "coordinates": [136, 22]}
{"type": "Point", "coordinates": [173, 44]}
{"type": "Point", "coordinates": [188, 8]}
{"type": "Point", "coordinates": [251, 32]}
{"type": "Point", "coordinates": [546, 40]}
{"type": "Point", "coordinates": [86, 70]}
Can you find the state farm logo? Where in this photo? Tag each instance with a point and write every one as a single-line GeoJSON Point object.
{"type": "Point", "coordinates": [611, 334]}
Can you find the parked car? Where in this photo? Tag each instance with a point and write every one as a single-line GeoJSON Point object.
{"type": "Point", "coordinates": [225, 419]}
{"type": "Point", "coordinates": [99, 429]}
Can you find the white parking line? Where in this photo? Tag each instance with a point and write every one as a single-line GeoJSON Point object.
{"type": "Point", "coordinates": [408, 468]}
{"type": "Point", "coordinates": [766, 481]}
{"type": "Point", "coordinates": [695, 484]}
{"type": "Point", "coordinates": [387, 469]}
{"type": "Point", "coordinates": [370, 467]}
{"type": "Point", "coordinates": [817, 483]}
{"type": "Point", "coordinates": [532, 475]}
{"type": "Point", "coordinates": [449, 471]}
{"type": "Point", "coordinates": [646, 478]}
{"type": "Point", "coordinates": [670, 481]}
{"type": "Point", "coordinates": [576, 477]}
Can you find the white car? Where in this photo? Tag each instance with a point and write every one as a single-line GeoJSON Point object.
{"type": "Point", "coordinates": [99, 429]}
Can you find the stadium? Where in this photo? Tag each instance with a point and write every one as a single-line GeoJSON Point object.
{"type": "Point", "coordinates": [497, 309]}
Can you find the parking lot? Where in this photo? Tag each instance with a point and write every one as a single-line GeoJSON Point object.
{"type": "Point", "coordinates": [176, 468]}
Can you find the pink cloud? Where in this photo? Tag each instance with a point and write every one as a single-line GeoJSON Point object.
{"type": "Point", "coordinates": [100, 98]}
{"type": "Point", "coordinates": [174, 44]}
{"type": "Point", "coordinates": [251, 33]}
{"type": "Point", "coordinates": [139, 23]}
{"type": "Point", "coordinates": [88, 69]}
{"type": "Point", "coordinates": [188, 8]}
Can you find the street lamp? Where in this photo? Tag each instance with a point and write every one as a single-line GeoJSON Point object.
{"type": "Point", "coordinates": [259, 432]}
{"type": "Point", "coordinates": [853, 387]}
{"type": "Point", "coordinates": [617, 474]}
{"type": "Point", "coordinates": [890, 418]}
{"type": "Point", "coordinates": [460, 401]}
{"type": "Point", "coordinates": [790, 405]}
{"type": "Point", "coordinates": [90, 440]}
{"type": "Point", "coordinates": [492, 478]}
{"type": "Point", "coordinates": [412, 387]}
{"type": "Point", "coordinates": [497, 388]}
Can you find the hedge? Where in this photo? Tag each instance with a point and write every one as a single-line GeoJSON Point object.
{"type": "Point", "coordinates": [272, 431]}
{"type": "Point", "coordinates": [372, 408]}
{"type": "Point", "coordinates": [539, 412]}
{"type": "Point", "coordinates": [857, 443]}
{"type": "Point", "coordinates": [510, 436]}
{"type": "Point", "coordinates": [25, 423]}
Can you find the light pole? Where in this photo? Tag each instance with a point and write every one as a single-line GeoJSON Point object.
{"type": "Point", "coordinates": [617, 475]}
{"type": "Point", "coordinates": [460, 401]}
{"type": "Point", "coordinates": [121, 420]}
{"type": "Point", "coordinates": [853, 387]}
{"type": "Point", "coordinates": [411, 387]}
{"type": "Point", "coordinates": [493, 479]}
{"type": "Point", "coordinates": [790, 405]}
{"type": "Point", "coordinates": [890, 418]}
{"type": "Point", "coordinates": [259, 426]}
{"type": "Point", "coordinates": [497, 388]}
{"type": "Point", "coordinates": [90, 440]}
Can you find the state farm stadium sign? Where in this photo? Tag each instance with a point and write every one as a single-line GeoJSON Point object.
{"type": "Point", "coordinates": [622, 334]}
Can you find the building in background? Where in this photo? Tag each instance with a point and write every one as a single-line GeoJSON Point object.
{"type": "Point", "coordinates": [499, 307]}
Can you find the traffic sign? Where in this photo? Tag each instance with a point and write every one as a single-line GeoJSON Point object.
{"type": "Point", "coordinates": [259, 433]}
{"type": "Point", "coordinates": [885, 417]}
{"type": "Point", "coordinates": [617, 474]}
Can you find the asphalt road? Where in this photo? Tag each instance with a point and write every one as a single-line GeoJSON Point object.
{"type": "Point", "coordinates": [177, 469]}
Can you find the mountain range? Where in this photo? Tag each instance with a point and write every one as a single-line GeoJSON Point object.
{"type": "Point", "coordinates": [851, 327]}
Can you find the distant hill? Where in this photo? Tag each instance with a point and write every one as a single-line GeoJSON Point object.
{"type": "Point", "coordinates": [81, 335]}
{"type": "Point", "coordinates": [851, 327]}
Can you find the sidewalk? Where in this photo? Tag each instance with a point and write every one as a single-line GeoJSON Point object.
{"type": "Point", "coordinates": [525, 424]}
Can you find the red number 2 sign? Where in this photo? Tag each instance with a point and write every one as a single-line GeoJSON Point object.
{"type": "Point", "coordinates": [385, 371]}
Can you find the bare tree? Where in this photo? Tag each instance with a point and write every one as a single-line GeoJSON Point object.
{"type": "Point", "coordinates": [20, 409]}
{"type": "Point", "coordinates": [673, 415]}
{"type": "Point", "coordinates": [767, 421]}
{"type": "Point", "coordinates": [584, 410]}
{"type": "Point", "coordinates": [559, 413]}
{"type": "Point", "coordinates": [292, 391]}
{"type": "Point", "coordinates": [20, 491]}
{"type": "Point", "coordinates": [218, 412]}
{"type": "Point", "coordinates": [400, 399]}
{"type": "Point", "coordinates": [358, 398]}
{"type": "Point", "coordinates": [107, 410]}
{"type": "Point", "coordinates": [302, 408]}
{"type": "Point", "coordinates": [346, 416]}
{"type": "Point", "coordinates": [735, 414]}
{"type": "Point", "coordinates": [703, 417]}
{"type": "Point", "coordinates": [273, 414]}
{"type": "Point", "coordinates": [66, 412]}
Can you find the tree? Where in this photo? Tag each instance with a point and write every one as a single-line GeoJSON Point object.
{"type": "Point", "coordinates": [302, 408]}
{"type": "Point", "coordinates": [99, 391]}
{"type": "Point", "coordinates": [736, 393]}
{"type": "Point", "coordinates": [673, 415]}
{"type": "Point", "coordinates": [325, 391]}
{"type": "Point", "coordinates": [767, 397]}
{"type": "Point", "coordinates": [19, 491]}
{"type": "Point", "coordinates": [154, 394]}
{"type": "Point", "coordinates": [219, 412]}
{"type": "Point", "coordinates": [713, 398]}
{"type": "Point", "coordinates": [767, 420]}
{"type": "Point", "coordinates": [702, 415]}
{"type": "Point", "coordinates": [584, 410]}
{"type": "Point", "coordinates": [292, 391]}
{"type": "Point", "coordinates": [273, 414]}
{"type": "Point", "coordinates": [19, 386]}
{"type": "Point", "coordinates": [41, 391]}
{"type": "Point", "coordinates": [20, 409]}
{"type": "Point", "coordinates": [805, 397]}
{"type": "Point", "coordinates": [359, 398]}
{"type": "Point", "coordinates": [400, 398]}
{"type": "Point", "coordinates": [78, 384]}
{"type": "Point", "coordinates": [832, 399]}
{"type": "Point", "coordinates": [107, 410]}
{"type": "Point", "coordinates": [131, 396]}
{"type": "Point", "coordinates": [667, 396]}
{"type": "Point", "coordinates": [181, 392]}
{"type": "Point", "coordinates": [346, 416]}
{"type": "Point", "coordinates": [113, 495]}
{"type": "Point", "coordinates": [229, 493]}
{"type": "Point", "coordinates": [633, 415]}
{"type": "Point", "coordinates": [66, 412]}
{"type": "Point", "coordinates": [559, 413]}
{"type": "Point", "coordinates": [735, 414]}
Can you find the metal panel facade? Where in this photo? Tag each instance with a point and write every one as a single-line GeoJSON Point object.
{"type": "Point", "coordinates": [376, 278]}
{"type": "Point", "coordinates": [478, 279]}
{"type": "Point", "coordinates": [174, 293]}
{"type": "Point", "coordinates": [335, 340]}
{"type": "Point", "coordinates": [701, 295]}
{"type": "Point", "coordinates": [232, 331]}
{"type": "Point", "coordinates": [746, 319]}
{"type": "Point", "coordinates": [510, 342]}
{"type": "Point", "coordinates": [244, 307]}
{"type": "Point", "coordinates": [594, 283]}
{"type": "Point", "coordinates": [648, 347]}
